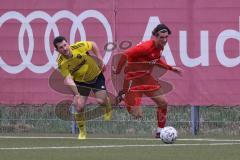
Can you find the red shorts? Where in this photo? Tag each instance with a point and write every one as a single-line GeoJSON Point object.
{"type": "Point", "coordinates": [135, 86]}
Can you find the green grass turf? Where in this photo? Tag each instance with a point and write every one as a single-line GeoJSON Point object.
{"type": "Point", "coordinates": [181, 150]}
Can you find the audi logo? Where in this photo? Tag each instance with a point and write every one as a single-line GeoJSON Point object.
{"type": "Point", "coordinates": [77, 25]}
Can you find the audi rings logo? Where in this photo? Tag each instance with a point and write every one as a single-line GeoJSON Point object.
{"type": "Point", "coordinates": [51, 27]}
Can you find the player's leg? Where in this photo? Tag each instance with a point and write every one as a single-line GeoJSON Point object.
{"type": "Point", "coordinates": [103, 100]}
{"type": "Point", "coordinates": [161, 112]}
{"type": "Point", "coordinates": [80, 114]}
{"type": "Point", "coordinates": [133, 101]}
{"type": "Point", "coordinates": [102, 97]}
{"type": "Point", "coordinates": [155, 92]}
{"type": "Point", "coordinates": [80, 117]}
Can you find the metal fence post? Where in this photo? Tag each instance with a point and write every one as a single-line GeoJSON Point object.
{"type": "Point", "coordinates": [73, 122]}
{"type": "Point", "coordinates": [195, 120]}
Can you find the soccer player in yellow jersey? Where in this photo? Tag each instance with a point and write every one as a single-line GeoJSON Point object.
{"type": "Point", "coordinates": [82, 74]}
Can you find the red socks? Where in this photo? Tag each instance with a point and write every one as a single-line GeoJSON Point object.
{"type": "Point", "coordinates": [161, 117]}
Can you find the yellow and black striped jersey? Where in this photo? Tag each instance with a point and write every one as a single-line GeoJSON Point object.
{"type": "Point", "coordinates": [81, 66]}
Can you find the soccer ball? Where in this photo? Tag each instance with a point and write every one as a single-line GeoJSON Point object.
{"type": "Point", "coordinates": [168, 135]}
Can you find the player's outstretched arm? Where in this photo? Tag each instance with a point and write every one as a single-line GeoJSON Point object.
{"type": "Point", "coordinates": [71, 84]}
{"type": "Point", "coordinates": [177, 70]}
{"type": "Point", "coordinates": [96, 51]}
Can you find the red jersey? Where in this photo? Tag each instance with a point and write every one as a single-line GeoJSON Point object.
{"type": "Point", "coordinates": [143, 52]}
{"type": "Point", "coordinates": [141, 57]}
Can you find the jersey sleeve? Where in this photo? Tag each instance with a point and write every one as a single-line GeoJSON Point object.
{"type": "Point", "coordinates": [163, 64]}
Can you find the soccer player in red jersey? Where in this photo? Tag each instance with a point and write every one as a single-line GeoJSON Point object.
{"type": "Point", "coordinates": [138, 79]}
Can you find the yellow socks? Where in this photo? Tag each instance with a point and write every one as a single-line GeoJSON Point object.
{"type": "Point", "coordinates": [80, 120]}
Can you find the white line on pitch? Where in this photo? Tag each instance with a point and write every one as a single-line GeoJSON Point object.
{"type": "Point", "coordinates": [140, 139]}
{"type": "Point", "coordinates": [116, 146]}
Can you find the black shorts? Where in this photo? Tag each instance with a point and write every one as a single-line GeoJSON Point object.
{"type": "Point", "coordinates": [84, 88]}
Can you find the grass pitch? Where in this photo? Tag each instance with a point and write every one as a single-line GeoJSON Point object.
{"type": "Point", "coordinates": [62, 148]}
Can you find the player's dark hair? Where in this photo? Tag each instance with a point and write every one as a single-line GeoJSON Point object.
{"type": "Point", "coordinates": [161, 28]}
{"type": "Point", "coordinates": [58, 40]}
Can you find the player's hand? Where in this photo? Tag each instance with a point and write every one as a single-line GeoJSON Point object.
{"type": "Point", "coordinates": [120, 97]}
{"type": "Point", "coordinates": [177, 70]}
